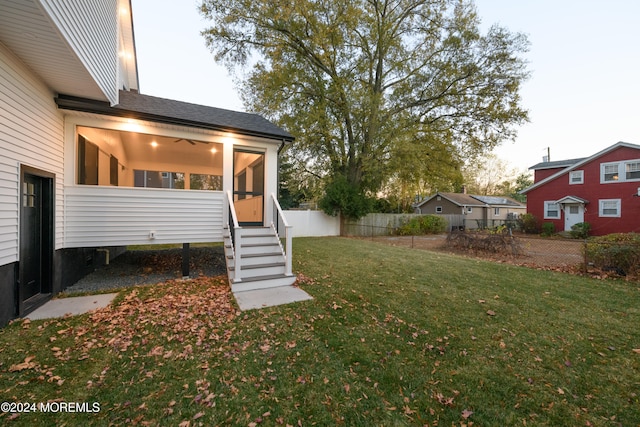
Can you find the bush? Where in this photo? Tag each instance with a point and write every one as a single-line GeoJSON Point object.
{"type": "Point", "coordinates": [548, 229]}
{"type": "Point", "coordinates": [424, 224]}
{"type": "Point", "coordinates": [580, 230]}
{"type": "Point", "coordinates": [615, 252]}
{"type": "Point", "coordinates": [528, 223]}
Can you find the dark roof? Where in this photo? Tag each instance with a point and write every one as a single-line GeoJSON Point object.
{"type": "Point", "coordinates": [145, 107]}
{"type": "Point", "coordinates": [498, 200]}
{"type": "Point", "coordinates": [463, 199]}
{"type": "Point", "coordinates": [556, 164]}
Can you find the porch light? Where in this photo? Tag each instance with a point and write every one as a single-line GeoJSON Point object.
{"type": "Point", "coordinates": [154, 144]}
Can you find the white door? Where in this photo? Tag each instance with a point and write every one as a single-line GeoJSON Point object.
{"type": "Point", "coordinates": [573, 214]}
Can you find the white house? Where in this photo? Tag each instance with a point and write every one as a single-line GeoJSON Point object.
{"type": "Point", "coordinates": [89, 165]}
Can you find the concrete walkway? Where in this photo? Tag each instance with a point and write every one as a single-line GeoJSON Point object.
{"type": "Point", "coordinates": [263, 298]}
{"type": "Point", "coordinates": [73, 306]}
{"type": "Point", "coordinates": [247, 300]}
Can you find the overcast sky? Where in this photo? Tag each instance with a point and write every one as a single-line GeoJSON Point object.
{"type": "Point", "coordinates": [583, 96]}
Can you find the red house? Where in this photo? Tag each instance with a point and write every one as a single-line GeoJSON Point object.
{"type": "Point", "coordinates": [602, 190]}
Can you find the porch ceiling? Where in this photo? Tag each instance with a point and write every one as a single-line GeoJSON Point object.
{"type": "Point", "coordinates": [29, 33]}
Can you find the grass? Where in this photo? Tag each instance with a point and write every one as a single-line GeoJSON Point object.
{"type": "Point", "coordinates": [394, 336]}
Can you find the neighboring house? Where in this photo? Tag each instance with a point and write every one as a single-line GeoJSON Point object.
{"type": "Point", "coordinates": [88, 165]}
{"type": "Point", "coordinates": [471, 211]}
{"type": "Point", "coordinates": [602, 190]}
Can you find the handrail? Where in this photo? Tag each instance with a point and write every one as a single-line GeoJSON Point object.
{"type": "Point", "coordinates": [232, 209]}
{"type": "Point", "coordinates": [236, 236]}
{"type": "Point", "coordinates": [288, 253]}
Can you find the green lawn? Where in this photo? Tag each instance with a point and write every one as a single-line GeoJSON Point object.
{"type": "Point", "coordinates": [394, 336]}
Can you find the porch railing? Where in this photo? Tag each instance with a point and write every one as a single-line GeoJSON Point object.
{"type": "Point", "coordinates": [288, 234]}
{"type": "Point", "coordinates": [235, 232]}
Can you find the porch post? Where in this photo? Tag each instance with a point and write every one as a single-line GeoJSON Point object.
{"type": "Point", "coordinates": [185, 260]}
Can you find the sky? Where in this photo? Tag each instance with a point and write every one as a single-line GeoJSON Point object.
{"type": "Point", "coordinates": [583, 94]}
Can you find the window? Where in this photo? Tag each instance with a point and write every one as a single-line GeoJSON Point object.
{"type": "Point", "coordinates": [610, 172]}
{"type": "Point", "coordinates": [551, 210]}
{"type": "Point", "coordinates": [620, 171]}
{"type": "Point", "coordinates": [610, 208]}
{"type": "Point", "coordinates": [438, 209]}
{"type": "Point", "coordinates": [576, 177]}
{"type": "Point", "coordinates": [496, 211]}
{"type": "Point", "coordinates": [87, 162]}
{"type": "Point", "coordinates": [632, 170]}
{"type": "Point", "coordinates": [469, 209]}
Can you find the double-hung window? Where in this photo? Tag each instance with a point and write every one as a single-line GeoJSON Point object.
{"type": "Point", "coordinates": [576, 177]}
{"type": "Point", "coordinates": [632, 170]}
{"type": "Point", "coordinates": [609, 208]}
{"type": "Point", "coordinates": [551, 210]}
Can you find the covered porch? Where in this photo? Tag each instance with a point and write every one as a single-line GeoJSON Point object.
{"type": "Point", "coordinates": [136, 178]}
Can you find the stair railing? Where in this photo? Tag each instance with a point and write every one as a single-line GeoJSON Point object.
{"type": "Point", "coordinates": [236, 235]}
{"type": "Point", "coordinates": [288, 235]}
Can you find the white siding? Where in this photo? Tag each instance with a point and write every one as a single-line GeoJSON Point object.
{"type": "Point", "coordinates": [31, 133]}
{"type": "Point", "coordinates": [91, 29]}
{"type": "Point", "coordinates": [114, 216]}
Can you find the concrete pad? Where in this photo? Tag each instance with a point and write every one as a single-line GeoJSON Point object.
{"type": "Point", "coordinates": [74, 305]}
{"type": "Point", "coordinates": [261, 298]}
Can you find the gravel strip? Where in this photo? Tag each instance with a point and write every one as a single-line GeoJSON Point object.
{"type": "Point", "coordinates": [147, 267]}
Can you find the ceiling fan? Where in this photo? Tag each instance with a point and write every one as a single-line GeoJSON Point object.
{"type": "Point", "coordinates": [190, 141]}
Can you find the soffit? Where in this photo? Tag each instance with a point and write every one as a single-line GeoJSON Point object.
{"type": "Point", "coordinates": [29, 33]}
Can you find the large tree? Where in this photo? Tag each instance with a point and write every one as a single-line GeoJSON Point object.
{"type": "Point", "coordinates": [374, 90]}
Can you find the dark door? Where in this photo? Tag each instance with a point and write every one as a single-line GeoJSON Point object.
{"type": "Point", "coordinates": [248, 187]}
{"type": "Point", "coordinates": [36, 239]}
{"type": "Point", "coordinates": [31, 234]}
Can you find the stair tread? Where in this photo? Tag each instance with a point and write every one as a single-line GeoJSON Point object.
{"type": "Point", "coordinates": [251, 267]}
{"type": "Point", "coordinates": [265, 277]}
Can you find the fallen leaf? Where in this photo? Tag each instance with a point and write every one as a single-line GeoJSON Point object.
{"type": "Point", "coordinates": [491, 312]}
{"type": "Point", "coordinates": [636, 350]}
{"type": "Point", "coordinates": [466, 414]}
{"type": "Point", "coordinates": [560, 391]}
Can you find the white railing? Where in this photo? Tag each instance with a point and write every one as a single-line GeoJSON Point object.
{"type": "Point", "coordinates": [288, 235]}
{"type": "Point", "coordinates": [236, 235]}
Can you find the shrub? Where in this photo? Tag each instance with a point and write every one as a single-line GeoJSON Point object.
{"type": "Point", "coordinates": [424, 224]}
{"type": "Point", "coordinates": [615, 252]}
{"type": "Point", "coordinates": [580, 230]}
{"type": "Point", "coordinates": [548, 229]}
{"type": "Point", "coordinates": [528, 223]}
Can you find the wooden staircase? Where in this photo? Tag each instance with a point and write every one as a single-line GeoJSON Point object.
{"type": "Point", "coordinates": [262, 260]}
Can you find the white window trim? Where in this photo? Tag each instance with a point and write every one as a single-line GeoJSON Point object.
{"type": "Point", "coordinates": [438, 209]}
{"type": "Point", "coordinates": [546, 209]}
{"type": "Point", "coordinates": [578, 174]}
{"type": "Point", "coordinates": [496, 211]}
{"type": "Point", "coordinates": [469, 209]}
{"type": "Point", "coordinates": [601, 203]}
{"type": "Point", "coordinates": [622, 171]}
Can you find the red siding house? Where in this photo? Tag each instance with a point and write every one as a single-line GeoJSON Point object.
{"type": "Point", "coordinates": [603, 190]}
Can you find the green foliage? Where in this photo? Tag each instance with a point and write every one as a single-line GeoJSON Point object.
{"type": "Point", "coordinates": [424, 224]}
{"type": "Point", "coordinates": [548, 229]}
{"type": "Point", "coordinates": [342, 196]}
{"type": "Point", "coordinates": [580, 230]}
{"type": "Point", "coordinates": [619, 252]}
{"type": "Point", "coordinates": [397, 93]}
{"type": "Point", "coordinates": [528, 223]}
